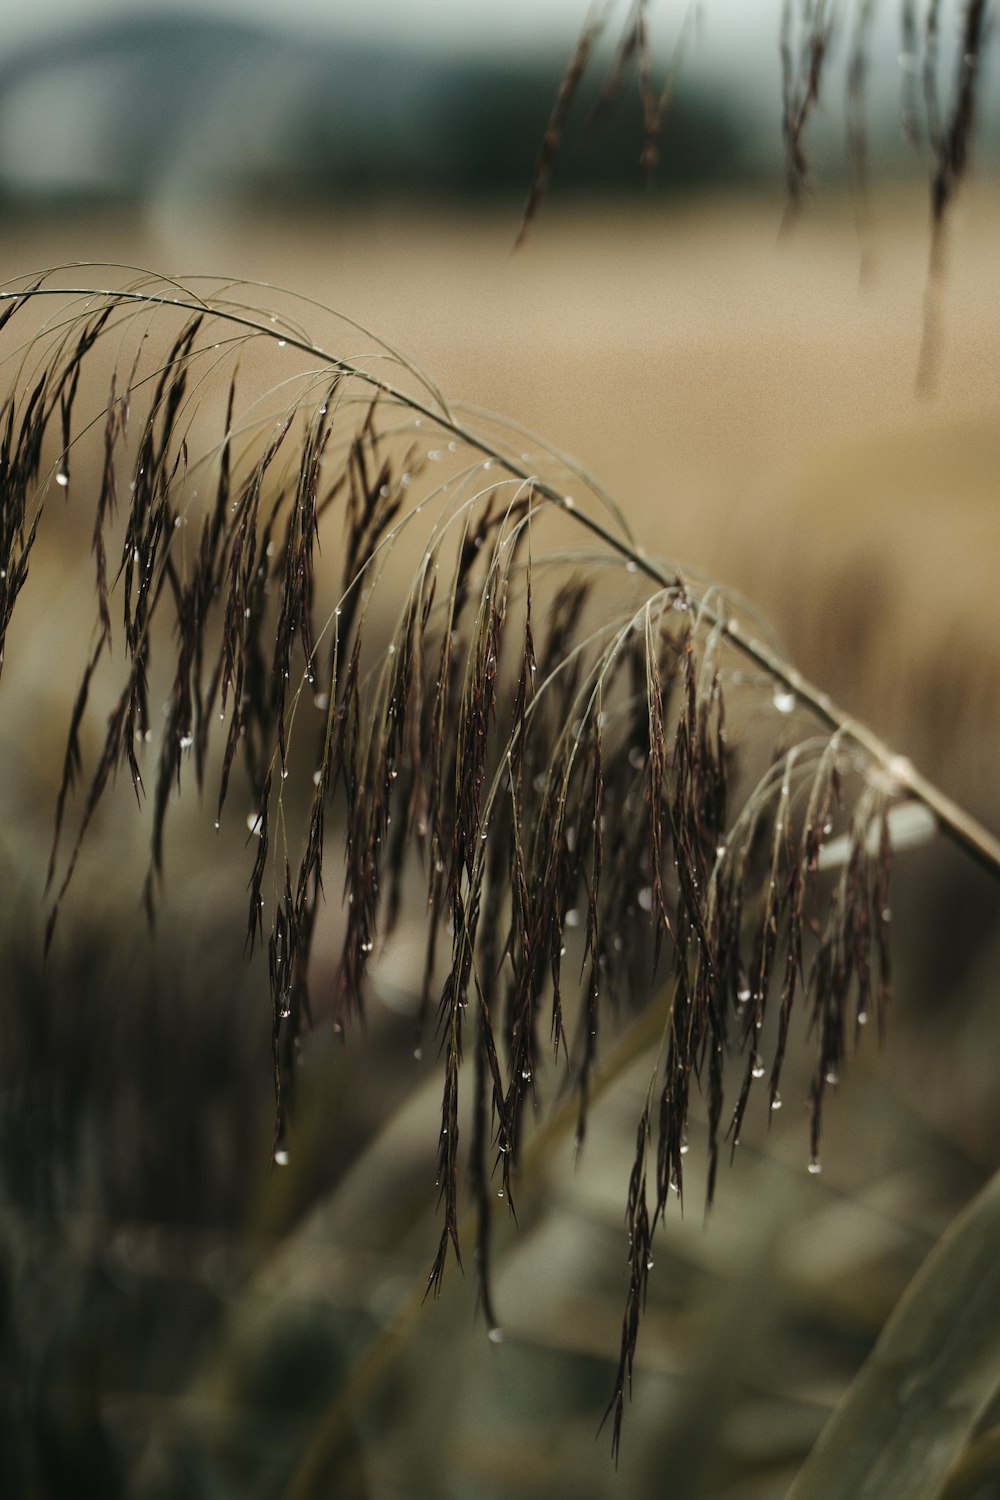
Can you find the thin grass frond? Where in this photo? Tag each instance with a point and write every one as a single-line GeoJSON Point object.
{"type": "Point", "coordinates": [367, 627]}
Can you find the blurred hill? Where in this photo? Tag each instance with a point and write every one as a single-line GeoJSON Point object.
{"type": "Point", "coordinates": [125, 110]}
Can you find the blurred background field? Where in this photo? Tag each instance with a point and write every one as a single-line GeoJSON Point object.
{"type": "Point", "coordinates": [176, 1317]}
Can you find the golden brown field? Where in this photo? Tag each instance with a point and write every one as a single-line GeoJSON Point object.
{"type": "Point", "coordinates": [748, 397]}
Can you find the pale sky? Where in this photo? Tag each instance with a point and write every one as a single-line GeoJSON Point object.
{"type": "Point", "coordinates": [728, 26]}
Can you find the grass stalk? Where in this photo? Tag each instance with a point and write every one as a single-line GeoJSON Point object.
{"type": "Point", "coordinates": [933, 1372]}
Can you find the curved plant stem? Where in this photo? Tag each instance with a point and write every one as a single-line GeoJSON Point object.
{"type": "Point", "coordinates": [312, 1478]}
{"type": "Point", "coordinates": [980, 1463]}
{"type": "Point", "coordinates": [935, 1369]}
{"type": "Point", "coordinates": [971, 836]}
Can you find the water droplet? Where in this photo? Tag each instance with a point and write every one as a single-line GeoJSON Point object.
{"type": "Point", "coordinates": [218, 825]}
{"type": "Point", "coordinates": [569, 502]}
{"type": "Point", "coordinates": [784, 700]}
{"type": "Point", "coordinates": [832, 1077]}
{"type": "Point", "coordinates": [685, 1148]}
{"type": "Point", "coordinates": [776, 1102]}
{"type": "Point", "coordinates": [526, 1075]}
{"type": "Point", "coordinates": [646, 898]}
{"type": "Point", "coordinates": [62, 478]}
{"type": "Point", "coordinates": [900, 769]}
{"type": "Point", "coordinates": [322, 701]}
{"type": "Point", "coordinates": [281, 343]}
{"type": "Point", "coordinates": [862, 1018]}
{"type": "Point", "coordinates": [434, 455]}
{"type": "Point", "coordinates": [495, 1335]}
{"type": "Point", "coordinates": [649, 1258]}
{"type": "Point", "coordinates": [285, 1008]}
{"type": "Point", "coordinates": [631, 566]}
{"type": "Point", "coordinates": [392, 648]}
{"type": "Point", "coordinates": [815, 1165]}
{"type": "Point", "coordinates": [637, 758]}
{"type": "Point", "coordinates": [186, 741]}
{"type": "Point", "coordinates": [281, 1156]}
{"type": "Point", "coordinates": [317, 777]}
{"type": "Point", "coordinates": [499, 1192]}
{"type": "Point", "coordinates": [255, 824]}
{"type": "Point", "coordinates": [572, 918]}
{"type": "Point", "coordinates": [757, 1070]}
{"type": "Point", "coordinates": [404, 479]}
{"type": "Point", "coordinates": [418, 1053]}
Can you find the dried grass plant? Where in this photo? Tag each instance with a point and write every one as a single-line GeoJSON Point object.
{"type": "Point", "coordinates": [424, 661]}
{"type": "Point", "coordinates": [936, 119]}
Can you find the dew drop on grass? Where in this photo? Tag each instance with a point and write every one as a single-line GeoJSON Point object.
{"type": "Point", "coordinates": [758, 1070]}
{"type": "Point", "coordinates": [815, 1166]}
{"type": "Point", "coordinates": [186, 741]}
{"type": "Point", "coordinates": [784, 700]}
{"type": "Point", "coordinates": [776, 1102]}
{"type": "Point", "coordinates": [495, 1335]}
{"type": "Point", "coordinates": [572, 918]}
{"type": "Point", "coordinates": [62, 478]}
{"type": "Point", "coordinates": [646, 898]}
{"type": "Point", "coordinates": [254, 823]}
{"type": "Point", "coordinates": [281, 1156]}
